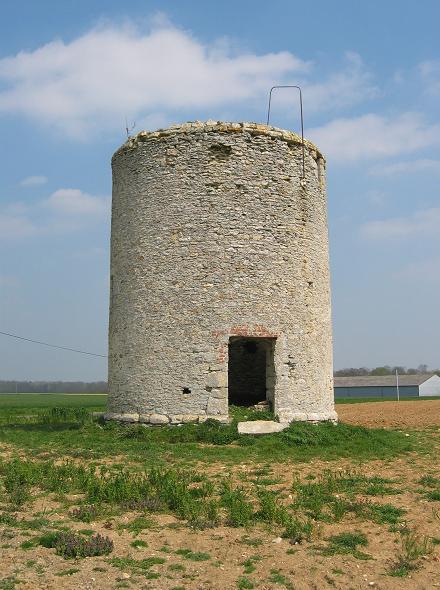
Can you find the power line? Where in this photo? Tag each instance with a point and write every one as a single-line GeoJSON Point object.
{"type": "Point", "coordinates": [52, 345]}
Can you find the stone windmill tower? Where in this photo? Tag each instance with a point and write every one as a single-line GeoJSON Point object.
{"type": "Point", "coordinates": [220, 290]}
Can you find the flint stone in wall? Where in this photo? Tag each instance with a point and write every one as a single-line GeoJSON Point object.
{"type": "Point", "coordinates": [294, 417]}
{"type": "Point", "coordinates": [314, 417]}
{"type": "Point", "coordinates": [159, 419]}
{"type": "Point", "coordinates": [219, 393]}
{"type": "Point", "coordinates": [216, 379]}
{"type": "Point", "coordinates": [177, 419]}
{"type": "Point", "coordinates": [122, 417]}
{"type": "Point", "coordinates": [188, 418]}
{"type": "Point", "coordinates": [216, 406]}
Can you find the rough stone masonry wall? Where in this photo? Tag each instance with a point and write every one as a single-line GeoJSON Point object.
{"type": "Point", "coordinates": [215, 235]}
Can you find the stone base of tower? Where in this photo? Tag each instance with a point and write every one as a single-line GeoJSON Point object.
{"type": "Point", "coordinates": [163, 419]}
{"type": "Point", "coordinates": [330, 416]}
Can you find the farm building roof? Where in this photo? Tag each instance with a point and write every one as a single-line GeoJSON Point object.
{"type": "Point", "coordinates": [381, 380]}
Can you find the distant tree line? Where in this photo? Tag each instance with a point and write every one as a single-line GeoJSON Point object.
{"type": "Point", "coordinates": [102, 387]}
{"type": "Point", "coordinates": [53, 387]}
{"type": "Point", "coordinates": [385, 370]}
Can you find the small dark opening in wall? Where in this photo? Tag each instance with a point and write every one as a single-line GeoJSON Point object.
{"type": "Point", "coordinates": [186, 390]}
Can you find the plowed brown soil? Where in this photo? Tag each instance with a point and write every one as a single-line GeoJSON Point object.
{"type": "Point", "coordinates": [403, 414]}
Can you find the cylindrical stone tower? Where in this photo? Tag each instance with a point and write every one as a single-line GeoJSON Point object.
{"type": "Point", "coordinates": [220, 290]}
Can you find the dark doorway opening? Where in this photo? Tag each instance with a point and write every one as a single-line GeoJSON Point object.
{"type": "Point", "coordinates": [251, 374]}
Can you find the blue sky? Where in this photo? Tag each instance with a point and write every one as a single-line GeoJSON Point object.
{"type": "Point", "coordinates": [72, 72]}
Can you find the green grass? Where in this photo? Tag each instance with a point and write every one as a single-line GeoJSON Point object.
{"type": "Point", "coordinates": [333, 495]}
{"type": "Point", "coordinates": [12, 402]}
{"type": "Point", "coordinates": [193, 555]}
{"type": "Point", "coordinates": [71, 432]}
{"type": "Point", "coordinates": [249, 564]}
{"type": "Point", "coordinates": [251, 541]}
{"type": "Point", "coordinates": [139, 524]}
{"type": "Point", "coordinates": [176, 567]}
{"type": "Point", "coordinates": [430, 481]}
{"type": "Point", "coordinates": [243, 583]}
{"type": "Point", "coordinates": [278, 578]}
{"type": "Point", "coordinates": [199, 500]}
{"type": "Point", "coordinates": [136, 565]}
{"type": "Point", "coordinates": [9, 583]}
{"type": "Point", "coordinates": [346, 543]}
{"type": "Point", "coordinates": [158, 471]}
{"type": "Point", "coordinates": [68, 572]}
{"type": "Point", "coordinates": [139, 543]}
{"type": "Point", "coordinates": [413, 548]}
{"type": "Point", "coordinates": [433, 484]}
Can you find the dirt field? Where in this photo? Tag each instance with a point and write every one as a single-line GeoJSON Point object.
{"type": "Point", "coordinates": [391, 501]}
{"type": "Point", "coordinates": [403, 414]}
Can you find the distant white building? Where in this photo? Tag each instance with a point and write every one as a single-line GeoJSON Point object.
{"type": "Point", "coordinates": [386, 386]}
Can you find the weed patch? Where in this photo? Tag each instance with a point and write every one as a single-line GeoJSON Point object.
{"type": "Point", "coordinates": [243, 583]}
{"type": "Point", "coordinates": [69, 572]}
{"type": "Point", "coordinates": [333, 495]}
{"type": "Point", "coordinates": [139, 543]}
{"type": "Point", "coordinates": [413, 548]}
{"type": "Point", "coordinates": [70, 545]}
{"type": "Point", "coordinates": [138, 525]}
{"type": "Point", "coordinates": [385, 513]}
{"type": "Point", "coordinates": [251, 541]}
{"type": "Point", "coordinates": [249, 564]}
{"type": "Point", "coordinates": [193, 555]}
{"type": "Point", "coordinates": [240, 510]}
{"type": "Point", "coordinates": [63, 415]}
{"type": "Point", "coordinates": [278, 578]}
{"type": "Point", "coordinates": [345, 543]}
{"type": "Point", "coordinates": [176, 567]}
{"type": "Point", "coordinates": [136, 565]}
{"type": "Point", "coordinates": [430, 481]}
{"type": "Point", "coordinates": [9, 583]}
{"type": "Point", "coordinates": [86, 513]}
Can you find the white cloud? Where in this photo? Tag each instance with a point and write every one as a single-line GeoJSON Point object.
{"type": "Point", "coordinates": [33, 181]}
{"type": "Point", "coordinates": [64, 211]}
{"type": "Point", "coordinates": [408, 167]}
{"type": "Point", "coordinates": [349, 86]}
{"type": "Point", "coordinates": [109, 73]}
{"type": "Point", "coordinates": [420, 223]}
{"type": "Point", "coordinates": [71, 201]}
{"type": "Point", "coordinates": [16, 226]}
{"type": "Point", "coordinates": [373, 136]}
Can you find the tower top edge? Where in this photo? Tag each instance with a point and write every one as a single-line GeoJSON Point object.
{"type": "Point", "coordinates": [196, 127]}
